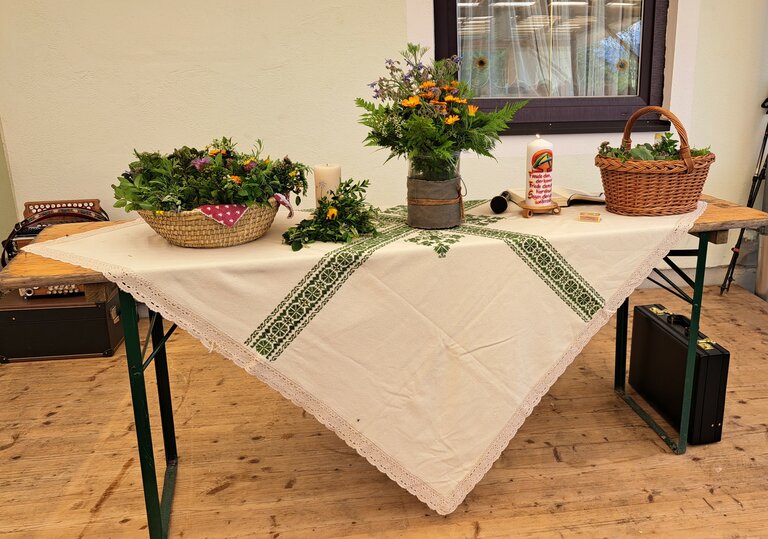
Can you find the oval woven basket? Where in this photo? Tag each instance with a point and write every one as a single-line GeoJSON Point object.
{"type": "Point", "coordinates": [653, 187]}
{"type": "Point", "coordinates": [194, 229]}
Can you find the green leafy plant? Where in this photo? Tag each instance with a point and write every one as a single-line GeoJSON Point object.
{"type": "Point", "coordinates": [341, 216]}
{"type": "Point", "coordinates": [426, 115]}
{"type": "Point", "coordinates": [664, 149]}
{"type": "Point", "coordinates": [188, 178]}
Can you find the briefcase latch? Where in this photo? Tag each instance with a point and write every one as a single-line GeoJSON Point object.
{"type": "Point", "coordinates": [706, 344]}
{"type": "Point", "coordinates": [660, 312]}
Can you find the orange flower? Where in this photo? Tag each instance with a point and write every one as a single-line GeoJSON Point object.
{"type": "Point", "coordinates": [438, 102]}
{"type": "Point", "coordinates": [332, 213]}
{"type": "Point", "coordinates": [411, 101]}
{"type": "Point", "coordinates": [237, 179]}
{"type": "Point", "coordinates": [452, 119]}
{"type": "Point", "coordinates": [214, 151]}
{"type": "Point", "coordinates": [458, 100]}
{"type": "Point", "coordinates": [427, 84]}
{"type": "Point", "coordinates": [449, 97]}
{"type": "Point", "coordinates": [427, 95]}
{"type": "Point", "coordinates": [445, 88]}
{"type": "Point", "coordinates": [472, 109]}
{"type": "Point", "coordinates": [454, 84]}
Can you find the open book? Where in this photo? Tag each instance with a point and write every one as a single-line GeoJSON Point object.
{"type": "Point", "coordinates": [563, 196]}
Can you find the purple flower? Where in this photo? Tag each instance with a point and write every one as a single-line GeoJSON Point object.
{"type": "Point", "coordinates": [201, 163]}
{"type": "Point", "coordinates": [389, 62]}
{"type": "Point", "coordinates": [250, 165]}
{"type": "Point", "coordinates": [373, 84]}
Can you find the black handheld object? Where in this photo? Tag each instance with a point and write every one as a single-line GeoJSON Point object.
{"type": "Point", "coordinates": [500, 203]}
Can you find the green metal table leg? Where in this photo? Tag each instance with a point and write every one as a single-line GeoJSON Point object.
{"type": "Point", "coordinates": [620, 371]}
{"type": "Point", "coordinates": [141, 413]}
{"type": "Point", "coordinates": [166, 418]}
{"type": "Point", "coordinates": [622, 316]}
{"type": "Point", "coordinates": [693, 337]}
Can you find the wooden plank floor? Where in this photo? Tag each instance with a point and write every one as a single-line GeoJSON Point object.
{"type": "Point", "coordinates": [253, 464]}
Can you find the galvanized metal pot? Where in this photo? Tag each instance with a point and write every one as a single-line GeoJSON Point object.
{"type": "Point", "coordinates": [434, 194]}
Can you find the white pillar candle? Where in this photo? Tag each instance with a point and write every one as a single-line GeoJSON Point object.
{"type": "Point", "coordinates": [538, 189]}
{"type": "Point", "coordinates": [327, 178]}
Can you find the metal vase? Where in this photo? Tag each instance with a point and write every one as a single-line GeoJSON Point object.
{"type": "Point", "coordinates": [434, 194]}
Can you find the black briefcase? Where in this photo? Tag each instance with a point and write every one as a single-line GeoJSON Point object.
{"type": "Point", "coordinates": [58, 327]}
{"type": "Point", "coordinates": [657, 371]}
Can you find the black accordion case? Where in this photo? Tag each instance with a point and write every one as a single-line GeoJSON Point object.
{"type": "Point", "coordinates": [657, 371]}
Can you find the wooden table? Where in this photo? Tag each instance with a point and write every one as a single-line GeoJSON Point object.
{"type": "Point", "coordinates": [28, 270]}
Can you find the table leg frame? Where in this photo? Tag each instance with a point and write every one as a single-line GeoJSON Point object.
{"type": "Point", "coordinates": [622, 321]}
{"type": "Point", "coordinates": [158, 508]}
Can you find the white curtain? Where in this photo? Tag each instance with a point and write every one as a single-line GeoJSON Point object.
{"type": "Point", "coordinates": [550, 48]}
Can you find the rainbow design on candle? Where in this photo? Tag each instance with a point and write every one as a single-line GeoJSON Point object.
{"type": "Point", "coordinates": [541, 161]}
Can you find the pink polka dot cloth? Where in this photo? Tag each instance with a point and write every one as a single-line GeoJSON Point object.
{"type": "Point", "coordinates": [226, 214]}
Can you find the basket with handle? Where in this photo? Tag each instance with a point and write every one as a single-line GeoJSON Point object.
{"type": "Point", "coordinates": [635, 187]}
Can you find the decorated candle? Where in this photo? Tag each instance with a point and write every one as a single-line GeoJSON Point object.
{"type": "Point", "coordinates": [327, 178]}
{"type": "Point", "coordinates": [538, 189]}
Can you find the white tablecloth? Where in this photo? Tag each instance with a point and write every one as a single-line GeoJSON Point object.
{"type": "Point", "coordinates": [423, 350]}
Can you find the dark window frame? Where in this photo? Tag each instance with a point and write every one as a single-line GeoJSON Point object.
{"type": "Point", "coordinates": [578, 114]}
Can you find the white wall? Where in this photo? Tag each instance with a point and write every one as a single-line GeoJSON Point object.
{"type": "Point", "coordinates": [83, 87]}
{"type": "Point", "coordinates": [86, 82]}
{"type": "Point", "coordinates": [7, 205]}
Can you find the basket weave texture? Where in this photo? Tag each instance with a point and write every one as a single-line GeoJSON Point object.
{"type": "Point", "coordinates": [653, 187]}
{"type": "Point", "coordinates": [194, 229]}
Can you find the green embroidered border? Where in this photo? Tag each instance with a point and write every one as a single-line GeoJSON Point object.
{"type": "Point", "coordinates": [311, 294]}
{"type": "Point", "coordinates": [556, 272]}
{"type": "Point", "coordinates": [326, 277]}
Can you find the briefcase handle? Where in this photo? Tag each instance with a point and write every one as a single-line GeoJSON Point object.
{"type": "Point", "coordinates": [681, 320]}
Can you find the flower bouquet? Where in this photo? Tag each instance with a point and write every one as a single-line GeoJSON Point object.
{"type": "Point", "coordinates": [215, 197]}
{"type": "Point", "coordinates": [426, 115]}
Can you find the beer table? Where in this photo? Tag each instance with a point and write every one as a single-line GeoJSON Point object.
{"type": "Point", "coordinates": [28, 270]}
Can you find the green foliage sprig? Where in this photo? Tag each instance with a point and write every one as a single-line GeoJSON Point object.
{"type": "Point", "coordinates": [426, 114]}
{"type": "Point", "coordinates": [664, 149]}
{"type": "Point", "coordinates": [340, 217]}
{"type": "Point", "coordinates": [188, 178]}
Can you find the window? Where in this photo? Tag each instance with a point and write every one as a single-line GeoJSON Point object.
{"type": "Point", "coordinates": [585, 65]}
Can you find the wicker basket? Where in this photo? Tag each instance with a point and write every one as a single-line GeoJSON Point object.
{"type": "Point", "coordinates": [653, 187]}
{"type": "Point", "coordinates": [194, 229]}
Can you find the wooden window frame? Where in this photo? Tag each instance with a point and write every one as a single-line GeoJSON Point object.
{"type": "Point", "coordinates": [578, 114]}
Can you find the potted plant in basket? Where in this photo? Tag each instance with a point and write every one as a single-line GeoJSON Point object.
{"type": "Point", "coordinates": [215, 197]}
{"type": "Point", "coordinates": [426, 115]}
{"type": "Point", "coordinates": [653, 179]}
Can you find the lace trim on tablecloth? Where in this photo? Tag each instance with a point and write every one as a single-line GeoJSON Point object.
{"type": "Point", "coordinates": [247, 359]}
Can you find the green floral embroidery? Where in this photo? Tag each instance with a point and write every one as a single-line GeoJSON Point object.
{"type": "Point", "coordinates": [322, 282]}
{"type": "Point", "coordinates": [550, 266]}
{"type": "Point", "coordinates": [471, 204]}
{"type": "Point", "coordinates": [440, 241]}
{"type": "Point", "coordinates": [481, 220]}
{"type": "Point", "coordinates": [308, 297]}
